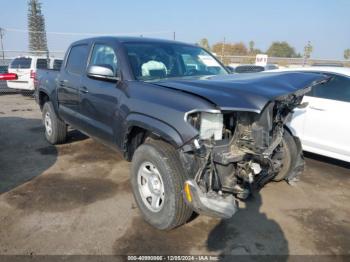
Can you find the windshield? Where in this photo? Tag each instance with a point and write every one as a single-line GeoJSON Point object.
{"type": "Point", "coordinates": [155, 61]}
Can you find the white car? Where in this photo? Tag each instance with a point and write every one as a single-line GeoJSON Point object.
{"type": "Point", "coordinates": [324, 124]}
{"type": "Point", "coordinates": [25, 67]}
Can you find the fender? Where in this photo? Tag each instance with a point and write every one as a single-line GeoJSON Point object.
{"type": "Point", "coordinates": [52, 98]}
{"type": "Point", "coordinates": [155, 126]}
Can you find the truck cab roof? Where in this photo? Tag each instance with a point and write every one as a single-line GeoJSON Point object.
{"type": "Point", "coordinates": [129, 39]}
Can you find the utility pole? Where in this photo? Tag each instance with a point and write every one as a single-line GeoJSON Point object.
{"type": "Point", "coordinates": [2, 44]}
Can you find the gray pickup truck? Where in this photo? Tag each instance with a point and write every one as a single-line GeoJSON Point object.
{"type": "Point", "coordinates": [198, 137]}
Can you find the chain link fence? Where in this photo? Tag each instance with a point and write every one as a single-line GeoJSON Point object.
{"type": "Point", "coordinates": [4, 69]}
{"type": "Point", "coordinates": [285, 61]}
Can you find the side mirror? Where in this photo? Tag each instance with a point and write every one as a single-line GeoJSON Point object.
{"type": "Point", "coordinates": [102, 73]}
{"type": "Point", "coordinates": [8, 76]}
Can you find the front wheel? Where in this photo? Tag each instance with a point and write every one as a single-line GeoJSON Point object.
{"type": "Point", "coordinates": [290, 157]}
{"type": "Point", "coordinates": [55, 129]}
{"type": "Point", "coordinates": [157, 179]}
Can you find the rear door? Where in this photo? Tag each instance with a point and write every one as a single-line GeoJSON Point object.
{"type": "Point", "coordinates": [69, 84]}
{"type": "Point", "coordinates": [326, 123]}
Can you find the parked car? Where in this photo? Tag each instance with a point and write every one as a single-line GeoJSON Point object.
{"type": "Point", "coordinates": [25, 67]}
{"type": "Point", "coordinates": [271, 67]}
{"type": "Point", "coordinates": [322, 125]}
{"type": "Point", "coordinates": [248, 69]}
{"type": "Point", "coordinates": [197, 137]}
{"type": "Point", "coordinates": [254, 68]}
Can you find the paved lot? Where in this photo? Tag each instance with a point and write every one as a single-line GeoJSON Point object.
{"type": "Point", "coordinates": [5, 90]}
{"type": "Point", "coordinates": [75, 199]}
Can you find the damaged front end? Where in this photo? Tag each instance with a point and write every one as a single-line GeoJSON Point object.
{"type": "Point", "coordinates": [236, 151]}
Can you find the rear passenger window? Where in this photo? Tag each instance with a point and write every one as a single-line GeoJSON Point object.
{"type": "Point", "coordinates": [77, 59]}
{"type": "Point", "coordinates": [338, 88]}
{"type": "Point", "coordinates": [41, 64]}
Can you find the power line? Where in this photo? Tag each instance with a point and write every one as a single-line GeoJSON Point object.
{"type": "Point", "coordinates": [71, 33]}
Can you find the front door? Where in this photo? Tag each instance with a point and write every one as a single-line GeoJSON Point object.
{"type": "Point", "coordinates": [99, 99]}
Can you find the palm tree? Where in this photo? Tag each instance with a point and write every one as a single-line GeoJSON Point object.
{"type": "Point", "coordinates": [36, 26]}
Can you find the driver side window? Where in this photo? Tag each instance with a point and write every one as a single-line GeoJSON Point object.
{"type": "Point", "coordinates": [104, 55]}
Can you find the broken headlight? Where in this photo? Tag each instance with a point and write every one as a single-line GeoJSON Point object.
{"type": "Point", "coordinates": [209, 124]}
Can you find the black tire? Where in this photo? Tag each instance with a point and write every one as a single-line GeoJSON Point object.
{"type": "Point", "coordinates": [290, 157]}
{"type": "Point", "coordinates": [164, 157]}
{"type": "Point", "coordinates": [58, 132]}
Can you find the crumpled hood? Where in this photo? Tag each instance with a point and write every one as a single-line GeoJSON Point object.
{"type": "Point", "coordinates": [246, 92]}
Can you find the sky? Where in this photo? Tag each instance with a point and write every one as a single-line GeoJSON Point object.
{"type": "Point", "coordinates": [326, 23]}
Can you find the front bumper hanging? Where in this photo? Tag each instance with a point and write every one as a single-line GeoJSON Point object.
{"type": "Point", "coordinates": [211, 203]}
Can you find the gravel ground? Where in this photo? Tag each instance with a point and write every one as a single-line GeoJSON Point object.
{"type": "Point", "coordinates": [76, 199]}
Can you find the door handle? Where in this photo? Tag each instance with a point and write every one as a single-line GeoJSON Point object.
{"type": "Point", "coordinates": [84, 90]}
{"type": "Point", "coordinates": [317, 108]}
{"type": "Point", "coordinates": [63, 83]}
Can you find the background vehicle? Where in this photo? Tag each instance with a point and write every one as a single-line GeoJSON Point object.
{"type": "Point", "coordinates": [248, 69]}
{"type": "Point", "coordinates": [197, 136]}
{"type": "Point", "coordinates": [253, 68]}
{"type": "Point", "coordinates": [270, 67]}
{"type": "Point", "coordinates": [323, 125]}
{"type": "Point", "coordinates": [25, 67]}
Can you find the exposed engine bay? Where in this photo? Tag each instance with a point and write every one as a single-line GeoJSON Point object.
{"type": "Point", "coordinates": [236, 152]}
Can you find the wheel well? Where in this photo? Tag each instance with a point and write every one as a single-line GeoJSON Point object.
{"type": "Point", "coordinates": [136, 137]}
{"type": "Point", "coordinates": [43, 98]}
{"type": "Point", "coordinates": [296, 138]}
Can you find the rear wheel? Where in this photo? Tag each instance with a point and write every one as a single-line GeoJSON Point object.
{"type": "Point", "coordinates": [290, 157]}
{"type": "Point", "coordinates": [55, 129]}
{"type": "Point", "coordinates": [157, 179]}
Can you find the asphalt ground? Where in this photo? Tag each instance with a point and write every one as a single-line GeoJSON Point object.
{"type": "Point", "coordinates": [75, 199]}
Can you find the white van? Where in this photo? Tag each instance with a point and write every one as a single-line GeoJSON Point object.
{"type": "Point", "coordinates": [25, 67]}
